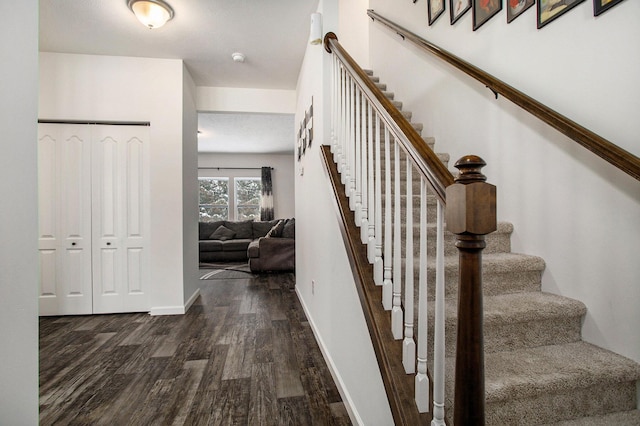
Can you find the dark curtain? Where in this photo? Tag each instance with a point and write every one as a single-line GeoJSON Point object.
{"type": "Point", "coordinates": [266, 201]}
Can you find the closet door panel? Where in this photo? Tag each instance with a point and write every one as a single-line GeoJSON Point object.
{"type": "Point", "coordinates": [120, 219]}
{"type": "Point", "coordinates": [137, 220]}
{"type": "Point", "coordinates": [64, 219]}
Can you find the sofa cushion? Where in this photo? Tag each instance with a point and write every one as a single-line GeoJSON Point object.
{"type": "Point", "coordinates": [289, 230]}
{"type": "Point", "coordinates": [236, 245]}
{"type": "Point", "coordinates": [222, 233]}
{"type": "Point", "coordinates": [260, 228]}
{"type": "Point", "coordinates": [254, 248]}
{"type": "Point", "coordinates": [210, 245]}
{"type": "Point", "coordinates": [276, 230]}
{"type": "Point", "coordinates": [242, 229]}
{"type": "Point", "coordinates": [205, 229]}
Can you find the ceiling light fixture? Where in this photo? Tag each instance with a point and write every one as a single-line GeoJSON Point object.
{"type": "Point", "coordinates": [152, 13]}
{"type": "Point", "coordinates": [238, 57]}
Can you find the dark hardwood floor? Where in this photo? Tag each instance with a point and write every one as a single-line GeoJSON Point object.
{"type": "Point", "coordinates": [244, 354]}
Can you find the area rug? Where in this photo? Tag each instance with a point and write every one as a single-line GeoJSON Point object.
{"type": "Point", "coordinates": [225, 271]}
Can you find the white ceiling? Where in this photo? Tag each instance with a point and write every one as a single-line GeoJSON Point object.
{"type": "Point", "coordinates": [204, 33]}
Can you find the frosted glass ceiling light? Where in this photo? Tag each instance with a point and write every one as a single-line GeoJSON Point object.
{"type": "Point", "coordinates": [152, 13]}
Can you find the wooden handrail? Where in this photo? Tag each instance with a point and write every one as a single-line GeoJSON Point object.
{"type": "Point", "coordinates": [470, 213]}
{"type": "Point", "coordinates": [437, 174]}
{"type": "Point", "coordinates": [620, 158]}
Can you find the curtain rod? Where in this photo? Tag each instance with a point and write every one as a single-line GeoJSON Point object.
{"type": "Point", "coordinates": [232, 168]}
{"type": "Point", "coordinates": [101, 122]}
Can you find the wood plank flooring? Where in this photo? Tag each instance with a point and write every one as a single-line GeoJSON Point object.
{"type": "Point", "coordinates": [244, 354]}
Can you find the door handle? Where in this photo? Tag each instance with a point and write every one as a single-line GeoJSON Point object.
{"type": "Point", "coordinates": [73, 244]}
{"type": "Point", "coordinates": [108, 244]}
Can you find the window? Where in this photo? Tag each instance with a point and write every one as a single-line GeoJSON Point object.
{"type": "Point", "coordinates": [214, 199]}
{"type": "Point", "coordinates": [247, 198]}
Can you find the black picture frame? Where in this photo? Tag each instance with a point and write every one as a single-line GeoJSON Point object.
{"type": "Point", "coordinates": [435, 8]}
{"type": "Point", "coordinates": [516, 8]}
{"type": "Point", "coordinates": [483, 10]}
{"type": "Point", "coordinates": [550, 10]}
{"type": "Point", "coordinates": [601, 6]}
{"type": "Point", "coordinates": [457, 8]}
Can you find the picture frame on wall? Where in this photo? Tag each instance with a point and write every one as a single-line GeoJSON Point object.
{"type": "Point", "coordinates": [549, 10]}
{"type": "Point", "coordinates": [457, 8]}
{"type": "Point", "coordinates": [516, 8]}
{"type": "Point", "coordinates": [601, 6]}
{"type": "Point", "coordinates": [435, 8]}
{"type": "Point", "coordinates": [483, 10]}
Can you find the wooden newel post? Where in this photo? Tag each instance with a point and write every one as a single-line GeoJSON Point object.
{"type": "Point", "coordinates": [471, 214]}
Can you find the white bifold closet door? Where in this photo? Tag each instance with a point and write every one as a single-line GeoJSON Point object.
{"type": "Point", "coordinates": [94, 218]}
{"type": "Point", "coordinates": [64, 203]}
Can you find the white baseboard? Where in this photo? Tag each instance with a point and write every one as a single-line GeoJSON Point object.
{"type": "Point", "coordinates": [175, 310]}
{"type": "Point", "coordinates": [346, 397]}
{"type": "Point", "coordinates": [167, 310]}
{"type": "Point", "coordinates": [192, 299]}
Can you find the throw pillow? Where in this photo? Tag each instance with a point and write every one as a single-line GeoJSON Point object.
{"type": "Point", "coordinates": [260, 228]}
{"type": "Point", "coordinates": [205, 229]}
{"type": "Point", "coordinates": [222, 234]}
{"type": "Point", "coordinates": [276, 231]}
{"type": "Point", "coordinates": [289, 230]}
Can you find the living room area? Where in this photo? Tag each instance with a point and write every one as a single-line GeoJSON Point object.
{"type": "Point", "coordinates": [246, 194]}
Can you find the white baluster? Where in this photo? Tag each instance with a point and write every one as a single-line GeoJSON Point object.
{"type": "Point", "coordinates": [409, 345]}
{"type": "Point", "coordinates": [396, 310]}
{"type": "Point", "coordinates": [334, 104]}
{"type": "Point", "coordinates": [345, 132]}
{"type": "Point", "coordinates": [348, 138]}
{"type": "Point", "coordinates": [422, 380]}
{"type": "Point", "coordinates": [439, 337]}
{"type": "Point", "coordinates": [342, 100]}
{"type": "Point", "coordinates": [371, 195]}
{"type": "Point", "coordinates": [357, 157]}
{"type": "Point", "coordinates": [364, 174]}
{"type": "Point", "coordinates": [387, 285]}
{"type": "Point", "coordinates": [352, 147]}
{"type": "Point", "coordinates": [378, 264]}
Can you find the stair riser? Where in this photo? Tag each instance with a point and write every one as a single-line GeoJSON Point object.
{"type": "Point", "coordinates": [551, 408]}
{"type": "Point", "coordinates": [493, 283]}
{"type": "Point", "coordinates": [512, 336]}
{"type": "Point", "coordinates": [497, 242]}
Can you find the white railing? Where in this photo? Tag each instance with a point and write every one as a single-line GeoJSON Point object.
{"type": "Point", "coordinates": [369, 149]}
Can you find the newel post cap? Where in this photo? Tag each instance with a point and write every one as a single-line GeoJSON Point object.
{"type": "Point", "coordinates": [471, 202]}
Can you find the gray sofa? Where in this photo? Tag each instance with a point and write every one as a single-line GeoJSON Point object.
{"type": "Point", "coordinates": [276, 251]}
{"type": "Point", "coordinates": [229, 241]}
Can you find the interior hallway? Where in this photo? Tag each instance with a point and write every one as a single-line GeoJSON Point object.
{"type": "Point", "coordinates": [243, 354]}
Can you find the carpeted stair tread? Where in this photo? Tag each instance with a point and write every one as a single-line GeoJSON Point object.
{"type": "Point", "coordinates": [519, 320]}
{"type": "Point", "coordinates": [502, 273]}
{"type": "Point", "coordinates": [623, 418]}
{"type": "Point", "coordinates": [553, 369]}
{"type": "Point", "coordinates": [524, 307]}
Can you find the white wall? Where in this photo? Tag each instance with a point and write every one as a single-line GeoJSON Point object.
{"type": "Point", "coordinates": [332, 304]}
{"type": "Point", "coordinates": [282, 176]}
{"type": "Point", "coordinates": [231, 99]}
{"type": "Point", "coordinates": [353, 30]}
{"type": "Point", "coordinates": [133, 89]}
{"type": "Point", "coordinates": [568, 206]}
{"type": "Point", "coordinates": [190, 188]}
{"type": "Point", "coordinates": [18, 214]}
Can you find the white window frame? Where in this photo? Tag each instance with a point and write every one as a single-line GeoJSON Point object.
{"type": "Point", "coordinates": [235, 198]}
{"type": "Point", "coordinates": [229, 194]}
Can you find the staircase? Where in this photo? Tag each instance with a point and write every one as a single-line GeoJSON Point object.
{"type": "Point", "coordinates": [537, 368]}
